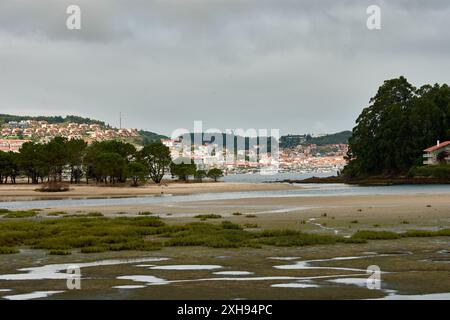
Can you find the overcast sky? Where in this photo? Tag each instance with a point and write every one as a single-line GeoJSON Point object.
{"type": "Point", "coordinates": [300, 66]}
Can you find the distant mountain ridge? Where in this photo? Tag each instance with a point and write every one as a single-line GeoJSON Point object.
{"type": "Point", "coordinates": [291, 141]}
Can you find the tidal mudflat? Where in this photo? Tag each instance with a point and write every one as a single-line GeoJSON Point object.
{"type": "Point", "coordinates": [292, 246]}
{"type": "Point", "coordinates": [336, 271]}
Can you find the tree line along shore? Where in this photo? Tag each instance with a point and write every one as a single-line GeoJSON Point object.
{"type": "Point", "coordinates": [107, 162]}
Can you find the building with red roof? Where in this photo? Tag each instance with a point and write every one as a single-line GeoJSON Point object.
{"type": "Point", "coordinates": [437, 153]}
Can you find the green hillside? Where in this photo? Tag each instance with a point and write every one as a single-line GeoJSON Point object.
{"type": "Point", "coordinates": [291, 141]}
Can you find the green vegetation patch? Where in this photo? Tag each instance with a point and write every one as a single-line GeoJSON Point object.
{"type": "Point", "coordinates": [4, 211]}
{"type": "Point", "coordinates": [208, 216]}
{"type": "Point", "coordinates": [441, 171]}
{"type": "Point", "coordinates": [145, 213]}
{"type": "Point", "coordinates": [90, 214]}
{"type": "Point", "coordinates": [82, 232]}
{"type": "Point", "coordinates": [8, 250]}
{"type": "Point", "coordinates": [387, 235]}
{"type": "Point", "coordinates": [56, 213]}
{"type": "Point", "coordinates": [20, 214]}
{"type": "Point", "coordinates": [144, 233]}
{"type": "Point", "coordinates": [59, 252]}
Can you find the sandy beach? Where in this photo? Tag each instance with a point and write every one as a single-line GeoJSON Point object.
{"type": "Point", "coordinates": [9, 192]}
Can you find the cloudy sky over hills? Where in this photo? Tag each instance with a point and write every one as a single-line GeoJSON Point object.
{"type": "Point", "coordinates": [301, 66]}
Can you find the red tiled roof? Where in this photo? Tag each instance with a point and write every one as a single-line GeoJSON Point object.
{"type": "Point", "coordinates": [437, 147]}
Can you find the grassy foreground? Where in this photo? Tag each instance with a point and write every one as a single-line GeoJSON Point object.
{"type": "Point", "coordinates": [92, 233]}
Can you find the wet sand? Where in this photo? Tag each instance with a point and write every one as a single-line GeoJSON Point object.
{"type": "Point", "coordinates": [343, 214]}
{"type": "Point", "coordinates": [11, 192]}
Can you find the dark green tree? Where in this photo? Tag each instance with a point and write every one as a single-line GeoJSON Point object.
{"type": "Point", "coordinates": [183, 170]}
{"type": "Point", "coordinates": [156, 157]}
{"type": "Point", "coordinates": [200, 175]}
{"type": "Point", "coordinates": [215, 174]}
{"type": "Point", "coordinates": [75, 154]}
{"type": "Point", "coordinates": [399, 123]}
{"type": "Point", "coordinates": [137, 172]}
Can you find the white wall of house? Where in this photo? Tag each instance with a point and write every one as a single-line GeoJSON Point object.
{"type": "Point", "coordinates": [430, 158]}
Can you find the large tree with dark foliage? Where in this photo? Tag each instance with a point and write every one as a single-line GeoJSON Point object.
{"type": "Point", "coordinates": [399, 123]}
{"type": "Point", "coordinates": [156, 157]}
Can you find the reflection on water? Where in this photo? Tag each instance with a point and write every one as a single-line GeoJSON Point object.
{"type": "Point", "coordinates": [187, 267]}
{"type": "Point", "coordinates": [33, 295]}
{"type": "Point", "coordinates": [58, 271]}
{"type": "Point", "coordinates": [355, 277]}
{"type": "Point", "coordinates": [233, 273]}
{"type": "Point", "coordinates": [300, 285]}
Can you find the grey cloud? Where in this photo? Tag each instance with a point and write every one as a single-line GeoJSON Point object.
{"type": "Point", "coordinates": [296, 65]}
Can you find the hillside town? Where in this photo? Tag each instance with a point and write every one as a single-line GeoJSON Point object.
{"type": "Point", "coordinates": [300, 158]}
{"type": "Point", "coordinates": [304, 158]}
{"type": "Point", "coordinates": [14, 133]}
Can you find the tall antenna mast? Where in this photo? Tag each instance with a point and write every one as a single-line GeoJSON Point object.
{"type": "Point", "coordinates": [120, 120]}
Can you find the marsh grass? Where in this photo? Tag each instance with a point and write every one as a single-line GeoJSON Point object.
{"type": "Point", "coordinates": [145, 213]}
{"type": "Point", "coordinates": [89, 215]}
{"type": "Point", "coordinates": [56, 213]}
{"type": "Point", "coordinates": [387, 235]}
{"type": "Point", "coordinates": [204, 217]}
{"type": "Point", "coordinates": [4, 211]}
{"type": "Point", "coordinates": [59, 252]}
{"type": "Point", "coordinates": [20, 214]}
{"type": "Point", "coordinates": [8, 250]}
{"type": "Point", "coordinates": [144, 233]}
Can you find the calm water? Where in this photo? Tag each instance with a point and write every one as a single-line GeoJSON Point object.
{"type": "Point", "coordinates": [250, 178]}
{"type": "Point", "coordinates": [309, 190]}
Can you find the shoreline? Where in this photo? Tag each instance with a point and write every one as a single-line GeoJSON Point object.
{"type": "Point", "coordinates": [19, 192]}
{"type": "Point", "coordinates": [370, 181]}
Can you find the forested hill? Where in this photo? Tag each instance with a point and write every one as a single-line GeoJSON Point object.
{"type": "Point", "coordinates": [5, 118]}
{"type": "Point", "coordinates": [291, 141]}
{"type": "Point", "coordinates": [335, 138]}
{"type": "Point", "coordinates": [150, 137]}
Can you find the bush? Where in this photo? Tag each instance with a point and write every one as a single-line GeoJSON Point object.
{"type": "Point", "coordinates": [441, 171]}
